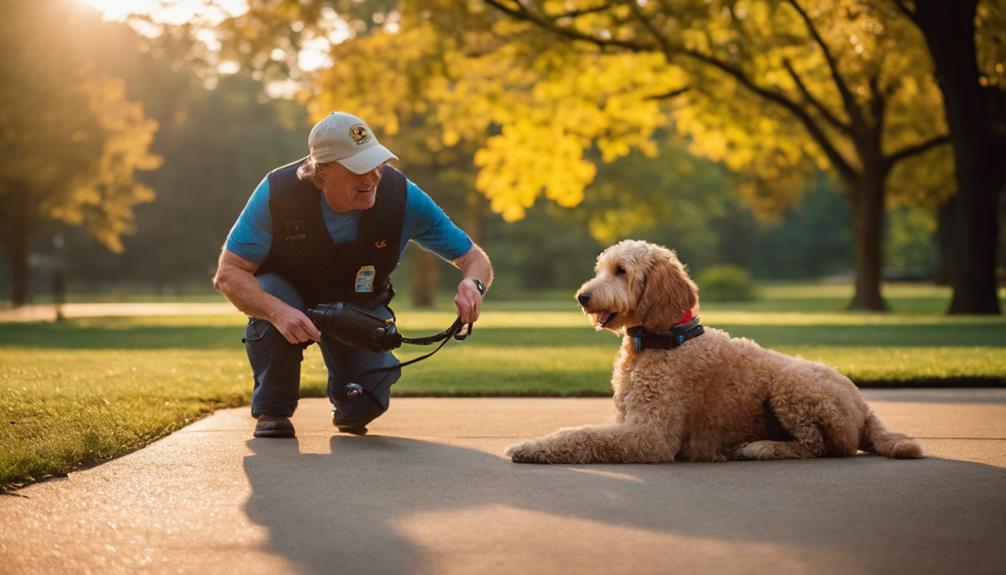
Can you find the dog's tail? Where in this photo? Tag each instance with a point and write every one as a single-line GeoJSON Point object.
{"type": "Point", "coordinates": [879, 440]}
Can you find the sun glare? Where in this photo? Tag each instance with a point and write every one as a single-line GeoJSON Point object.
{"type": "Point", "coordinates": [170, 11]}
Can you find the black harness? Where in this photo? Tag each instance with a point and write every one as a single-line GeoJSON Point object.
{"type": "Point", "coordinates": [677, 337]}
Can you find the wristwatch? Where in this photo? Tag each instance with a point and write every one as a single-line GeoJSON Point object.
{"type": "Point", "coordinates": [479, 286]}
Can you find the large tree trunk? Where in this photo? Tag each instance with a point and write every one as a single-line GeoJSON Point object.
{"type": "Point", "coordinates": [424, 278]}
{"type": "Point", "coordinates": [867, 198]}
{"type": "Point", "coordinates": [946, 240]}
{"type": "Point", "coordinates": [866, 192]}
{"type": "Point", "coordinates": [949, 29]}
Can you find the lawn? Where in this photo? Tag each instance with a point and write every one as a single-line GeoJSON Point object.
{"type": "Point", "coordinates": [77, 393]}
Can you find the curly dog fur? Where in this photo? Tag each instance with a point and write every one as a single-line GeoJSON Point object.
{"type": "Point", "coordinates": [715, 398]}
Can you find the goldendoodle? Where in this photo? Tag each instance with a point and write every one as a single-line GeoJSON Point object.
{"type": "Point", "coordinates": [684, 392]}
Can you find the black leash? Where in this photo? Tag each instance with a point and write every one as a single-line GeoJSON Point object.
{"type": "Point", "coordinates": [443, 337]}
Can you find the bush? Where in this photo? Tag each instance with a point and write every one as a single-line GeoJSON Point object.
{"type": "Point", "coordinates": [726, 283]}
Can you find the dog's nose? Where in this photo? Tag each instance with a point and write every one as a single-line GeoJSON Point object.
{"type": "Point", "coordinates": [583, 298]}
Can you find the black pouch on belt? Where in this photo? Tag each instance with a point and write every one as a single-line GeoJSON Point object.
{"type": "Point", "coordinates": [355, 326]}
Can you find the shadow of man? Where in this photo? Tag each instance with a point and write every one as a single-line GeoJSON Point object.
{"type": "Point", "coordinates": [347, 511]}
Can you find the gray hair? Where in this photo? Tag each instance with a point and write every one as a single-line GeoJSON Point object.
{"type": "Point", "coordinates": [312, 171]}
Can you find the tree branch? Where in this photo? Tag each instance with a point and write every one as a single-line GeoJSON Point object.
{"type": "Point", "coordinates": [909, 13]}
{"type": "Point", "coordinates": [581, 12]}
{"type": "Point", "coordinates": [546, 22]}
{"type": "Point", "coordinates": [878, 102]}
{"type": "Point", "coordinates": [855, 114]}
{"type": "Point", "coordinates": [669, 95]}
{"type": "Point", "coordinates": [831, 118]}
{"type": "Point", "coordinates": [843, 167]}
{"type": "Point", "coordinates": [637, 11]}
{"type": "Point", "coordinates": [909, 151]}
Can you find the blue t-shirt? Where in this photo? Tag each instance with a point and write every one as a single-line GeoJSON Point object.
{"type": "Point", "coordinates": [425, 223]}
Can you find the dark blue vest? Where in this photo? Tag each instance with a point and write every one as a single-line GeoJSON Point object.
{"type": "Point", "coordinates": [303, 252]}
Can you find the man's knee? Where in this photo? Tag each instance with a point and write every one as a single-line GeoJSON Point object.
{"type": "Point", "coordinates": [266, 345]}
{"type": "Point", "coordinates": [357, 404]}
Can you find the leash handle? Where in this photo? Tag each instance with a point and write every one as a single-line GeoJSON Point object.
{"type": "Point", "coordinates": [464, 331]}
{"type": "Point", "coordinates": [443, 337]}
{"type": "Point", "coordinates": [446, 334]}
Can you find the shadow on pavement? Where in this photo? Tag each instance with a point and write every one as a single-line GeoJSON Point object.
{"type": "Point", "coordinates": [341, 511]}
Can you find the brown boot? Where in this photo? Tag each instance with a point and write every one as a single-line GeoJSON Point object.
{"type": "Point", "coordinates": [274, 426]}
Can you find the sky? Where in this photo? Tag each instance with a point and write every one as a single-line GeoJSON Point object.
{"type": "Point", "coordinates": [170, 11]}
{"type": "Point", "coordinates": [313, 56]}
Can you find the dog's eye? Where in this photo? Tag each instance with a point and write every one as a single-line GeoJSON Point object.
{"type": "Point", "coordinates": [619, 271]}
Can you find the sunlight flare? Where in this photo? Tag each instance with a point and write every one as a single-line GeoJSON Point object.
{"type": "Point", "coordinates": [169, 11]}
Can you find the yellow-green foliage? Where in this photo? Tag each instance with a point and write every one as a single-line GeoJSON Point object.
{"type": "Point", "coordinates": [528, 120]}
{"type": "Point", "coordinates": [73, 142]}
{"type": "Point", "coordinates": [530, 106]}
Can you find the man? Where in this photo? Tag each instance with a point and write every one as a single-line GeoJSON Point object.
{"type": "Point", "coordinates": [327, 228]}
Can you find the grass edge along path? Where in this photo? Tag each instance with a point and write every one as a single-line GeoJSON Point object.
{"type": "Point", "coordinates": [66, 410]}
{"type": "Point", "coordinates": [77, 394]}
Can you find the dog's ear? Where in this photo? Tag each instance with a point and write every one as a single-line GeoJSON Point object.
{"type": "Point", "coordinates": [668, 293]}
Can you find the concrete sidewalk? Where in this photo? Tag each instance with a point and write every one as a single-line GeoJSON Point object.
{"type": "Point", "coordinates": [429, 491]}
{"type": "Point", "coordinates": [47, 312]}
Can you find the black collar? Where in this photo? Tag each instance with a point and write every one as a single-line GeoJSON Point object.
{"type": "Point", "coordinates": [678, 335]}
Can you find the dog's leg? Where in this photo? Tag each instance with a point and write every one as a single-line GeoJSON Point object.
{"type": "Point", "coordinates": [614, 443]}
{"type": "Point", "coordinates": [776, 450]}
{"type": "Point", "coordinates": [821, 421]}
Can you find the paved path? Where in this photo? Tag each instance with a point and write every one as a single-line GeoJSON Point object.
{"type": "Point", "coordinates": [430, 492]}
{"type": "Point", "coordinates": [47, 312]}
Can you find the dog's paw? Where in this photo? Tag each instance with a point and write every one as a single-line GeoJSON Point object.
{"type": "Point", "coordinates": [753, 450]}
{"type": "Point", "coordinates": [766, 449]}
{"type": "Point", "coordinates": [526, 452]}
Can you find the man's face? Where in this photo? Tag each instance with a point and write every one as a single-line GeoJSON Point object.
{"type": "Point", "coordinates": [345, 191]}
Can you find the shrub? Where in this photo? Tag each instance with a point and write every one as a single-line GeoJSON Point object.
{"type": "Point", "coordinates": [726, 283]}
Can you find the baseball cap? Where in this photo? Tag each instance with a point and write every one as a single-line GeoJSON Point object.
{"type": "Point", "coordinates": [346, 139]}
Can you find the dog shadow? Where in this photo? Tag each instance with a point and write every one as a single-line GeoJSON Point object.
{"type": "Point", "coordinates": [343, 511]}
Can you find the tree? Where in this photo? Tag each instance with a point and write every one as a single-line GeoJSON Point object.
{"type": "Point", "coordinates": [974, 103]}
{"type": "Point", "coordinates": [446, 100]}
{"type": "Point", "coordinates": [510, 102]}
{"type": "Point", "coordinates": [773, 91]}
{"type": "Point", "coordinates": [72, 141]}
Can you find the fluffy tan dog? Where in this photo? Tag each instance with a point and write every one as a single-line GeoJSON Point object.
{"type": "Point", "coordinates": [714, 397]}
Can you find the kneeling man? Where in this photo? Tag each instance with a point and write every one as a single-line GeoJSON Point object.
{"type": "Point", "coordinates": [332, 227]}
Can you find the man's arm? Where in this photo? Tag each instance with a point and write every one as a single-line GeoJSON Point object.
{"type": "Point", "coordinates": [235, 279]}
{"type": "Point", "coordinates": [474, 264]}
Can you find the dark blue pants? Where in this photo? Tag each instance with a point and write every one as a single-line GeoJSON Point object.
{"type": "Point", "coordinates": [276, 366]}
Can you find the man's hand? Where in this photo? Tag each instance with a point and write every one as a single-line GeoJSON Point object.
{"type": "Point", "coordinates": [294, 325]}
{"type": "Point", "coordinates": [235, 279]}
{"type": "Point", "coordinates": [468, 301]}
{"type": "Point", "coordinates": [475, 265]}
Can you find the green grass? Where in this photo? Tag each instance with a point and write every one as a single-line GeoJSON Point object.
{"type": "Point", "coordinates": [77, 393]}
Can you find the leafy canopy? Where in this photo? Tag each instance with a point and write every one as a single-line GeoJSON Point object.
{"type": "Point", "coordinates": [72, 141]}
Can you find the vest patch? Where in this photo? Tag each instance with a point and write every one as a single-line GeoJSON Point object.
{"type": "Point", "coordinates": [295, 231]}
{"type": "Point", "coordinates": [365, 279]}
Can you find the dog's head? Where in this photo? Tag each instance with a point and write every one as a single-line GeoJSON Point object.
{"type": "Point", "coordinates": [638, 283]}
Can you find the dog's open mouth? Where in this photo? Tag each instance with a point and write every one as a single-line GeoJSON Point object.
{"type": "Point", "coordinates": [604, 317]}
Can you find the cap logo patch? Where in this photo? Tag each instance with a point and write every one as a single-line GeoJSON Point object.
{"type": "Point", "coordinates": [359, 134]}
